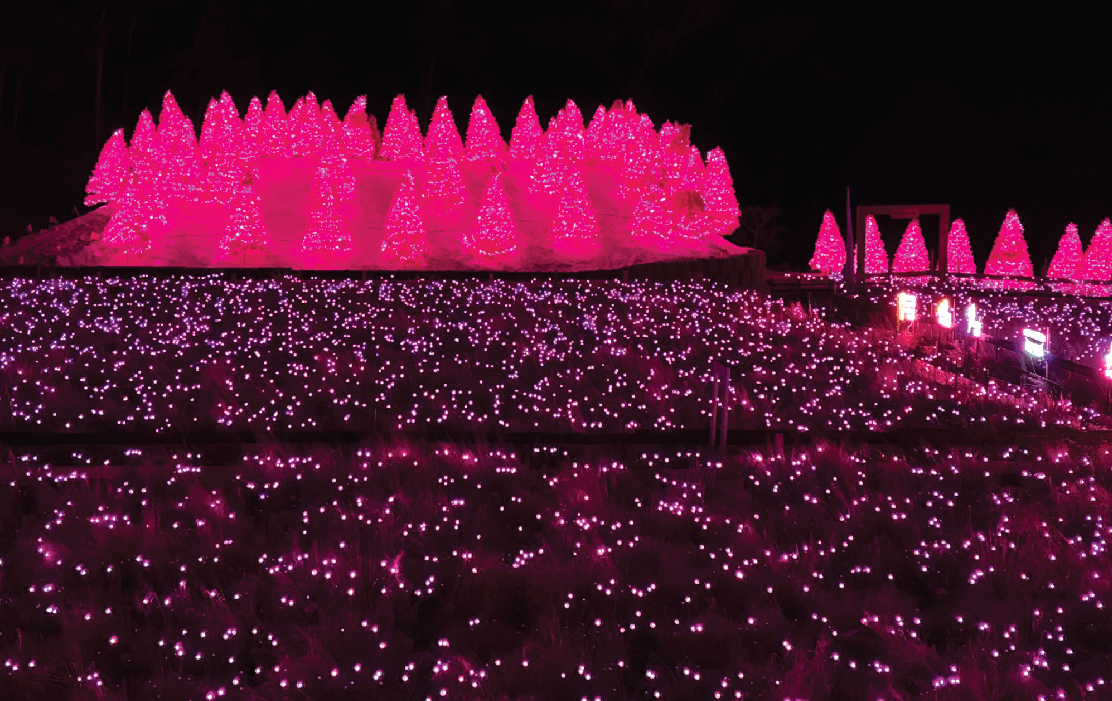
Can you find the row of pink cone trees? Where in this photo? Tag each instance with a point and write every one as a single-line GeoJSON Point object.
{"type": "Point", "coordinates": [677, 194]}
{"type": "Point", "coordinates": [1009, 254]}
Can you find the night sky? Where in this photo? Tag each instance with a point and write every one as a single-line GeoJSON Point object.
{"type": "Point", "coordinates": [981, 112]}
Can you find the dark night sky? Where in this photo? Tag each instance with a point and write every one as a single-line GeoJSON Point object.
{"type": "Point", "coordinates": [983, 113]}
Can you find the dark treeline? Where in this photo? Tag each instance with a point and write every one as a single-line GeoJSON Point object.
{"type": "Point", "coordinates": [981, 113]}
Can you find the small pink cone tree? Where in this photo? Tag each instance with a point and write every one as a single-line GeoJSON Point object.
{"type": "Point", "coordinates": [484, 140]}
{"type": "Point", "coordinates": [245, 230]}
{"type": "Point", "coordinates": [406, 240]}
{"type": "Point", "coordinates": [1098, 259]}
{"type": "Point", "coordinates": [876, 258]}
{"type": "Point", "coordinates": [1069, 260]}
{"type": "Point", "coordinates": [575, 229]}
{"type": "Point", "coordinates": [110, 177]}
{"type": "Point", "coordinates": [327, 230]}
{"type": "Point", "coordinates": [911, 255]}
{"type": "Point", "coordinates": [1009, 254]}
{"type": "Point", "coordinates": [830, 247]}
{"type": "Point", "coordinates": [494, 233]}
{"type": "Point", "coordinates": [959, 254]}
{"type": "Point", "coordinates": [527, 135]}
{"type": "Point", "coordinates": [401, 139]}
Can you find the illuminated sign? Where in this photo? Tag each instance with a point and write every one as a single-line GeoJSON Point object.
{"type": "Point", "coordinates": [973, 324]}
{"type": "Point", "coordinates": [945, 314]}
{"type": "Point", "coordinates": [1034, 343]}
{"type": "Point", "coordinates": [906, 303]}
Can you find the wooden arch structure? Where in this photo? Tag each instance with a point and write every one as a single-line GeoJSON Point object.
{"type": "Point", "coordinates": [913, 211]}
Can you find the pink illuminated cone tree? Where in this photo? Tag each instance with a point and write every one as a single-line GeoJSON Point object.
{"type": "Point", "coordinates": [1009, 254]}
{"type": "Point", "coordinates": [548, 173]}
{"type": "Point", "coordinates": [575, 229]}
{"type": "Point", "coordinates": [253, 146]}
{"type": "Point", "coordinates": [830, 248]}
{"type": "Point", "coordinates": [443, 189]}
{"type": "Point", "coordinates": [484, 140]}
{"type": "Point", "coordinates": [112, 172]}
{"type": "Point", "coordinates": [327, 232]}
{"type": "Point", "coordinates": [443, 140]}
{"type": "Point", "coordinates": [401, 139]}
{"type": "Point", "coordinates": [245, 229]}
{"type": "Point", "coordinates": [221, 150]}
{"type": "Point", "coordinates": [177, 158]}
{"type": "Point", "coordinates": [911, 255]}
{"type": "Point", "coordinates": [406, 240]}
{"type": "Point", "coordinates": [876, 258]}
{"type": "Point", "coordinates": [616, 130]}
{"type": "Point", "coordinates": [129, 229]}
{"type": "Point", "coordinates": [719, 197]}
{"type": "Point", "coordinates": [675, 150]}
{"type": "Point", "coordinates": [654, 222]}
{"type": "Point", "coordinates": [596, 132]}
{"type": "Point", "coordinates": [1069, 260]}
{"type": "Point", "coordinates": [527, 136]}
{"type": "Point", "coordinates": [1098, 258]}
{"type": "Point", "coordinates": [329, 121]}
{"type": "Point", "coordinates": [144, 181]}
{"type": "Point", "coordinates": [306, 126]}
{"type": "Point", "coordinates": [335, 162]}
{"type": "Point", "coordinates": [694, 171]}
{"type": "Point", "coordinates": [358, 136]}
{"type": "Point", "coordinates": [640, 160]}
{"type": "Point", "coordinates": [276, 128]}
{"type": "Point", "coordinates": [571, 136]}
{"type": "Point", "coordinates": [959, 254]}
{"type": "Point", "coordinates": [494, 233]}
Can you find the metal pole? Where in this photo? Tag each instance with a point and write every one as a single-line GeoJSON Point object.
{"type": "Point", "coordinates": [849, 269]}
{"type": "Point", "coordinates": [725, 407]}
{"type": "Point", "coordinates": [714, 410]}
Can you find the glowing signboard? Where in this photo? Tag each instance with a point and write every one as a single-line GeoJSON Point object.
{"type": "Point", "coordinates": [973, 324]}
{"type": "Point", "coordinates": [906, 303]}
{"type": "Point", "coordinates": [1034, 343]}
{"type": "Point", "coordinates": [945, 314]}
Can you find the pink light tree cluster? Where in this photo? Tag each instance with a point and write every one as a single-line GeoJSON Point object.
{"type": "Point", "coordinates": [674, 193]}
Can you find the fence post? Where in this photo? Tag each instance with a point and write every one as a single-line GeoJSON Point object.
{"type": "Point", "coordinates": [721, 389]}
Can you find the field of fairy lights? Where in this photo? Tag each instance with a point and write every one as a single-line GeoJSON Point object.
{"type": "Point", "coordinates": [161, 537]}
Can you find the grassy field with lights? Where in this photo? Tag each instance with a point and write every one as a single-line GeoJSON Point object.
{"type": "Point", "coordinates": [839, 568]}
{"type": "Point", "coordinates": [208, 353]}
{"type": "Point", "coordinates": [400, 571]}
